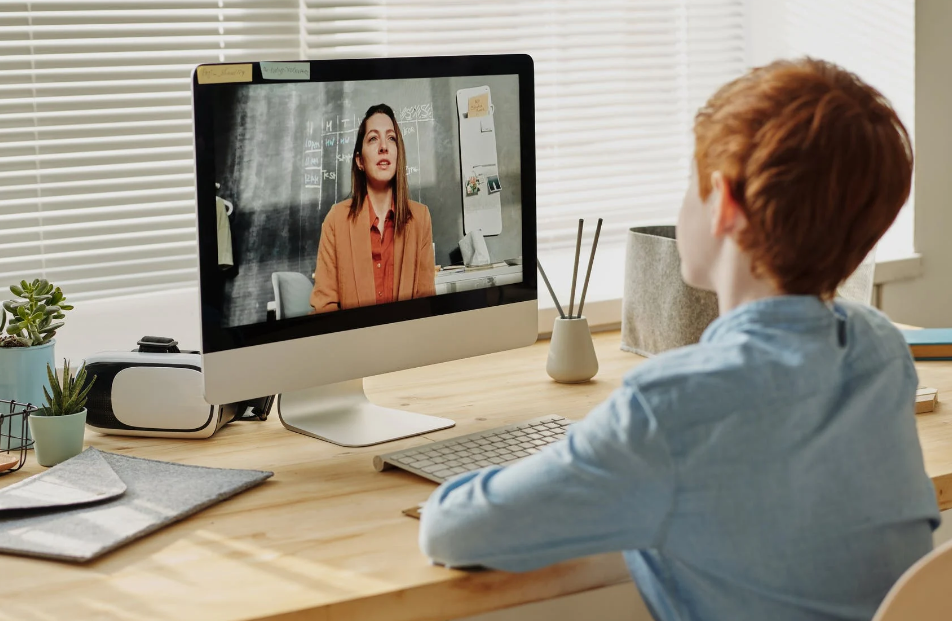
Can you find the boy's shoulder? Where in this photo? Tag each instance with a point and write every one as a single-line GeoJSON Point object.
{"type": "Point", "coordinates": [872, 329]}
{"type": "Point", "coordinates": [750, 370]}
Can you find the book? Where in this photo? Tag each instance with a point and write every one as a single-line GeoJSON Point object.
{"type": "Point", "coordinates": [930, 343]}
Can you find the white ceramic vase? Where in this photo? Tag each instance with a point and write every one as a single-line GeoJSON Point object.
{"type": "Point", "coordinates": [572, 357]}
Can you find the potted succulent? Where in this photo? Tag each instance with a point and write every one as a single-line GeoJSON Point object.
{"type": "Point", "coordinates": [58, 427]}
{"type": "Point", "coordinates": [28, 324]}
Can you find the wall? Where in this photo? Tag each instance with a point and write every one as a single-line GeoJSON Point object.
{"type": "Point", "coordinates": [926, 301]}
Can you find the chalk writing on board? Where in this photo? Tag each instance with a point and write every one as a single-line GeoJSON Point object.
{"type": "Point", "coordinates": [421, 112]}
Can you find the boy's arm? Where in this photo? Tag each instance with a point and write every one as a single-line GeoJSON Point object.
{"type": "Point", "coordinates": [609, 486]}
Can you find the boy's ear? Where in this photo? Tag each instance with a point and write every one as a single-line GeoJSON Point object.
{"type": "Point", "coordinates": [727, 218]}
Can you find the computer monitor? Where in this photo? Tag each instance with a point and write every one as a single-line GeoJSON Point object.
{"type": "Point", "coordinates": [357, 217]}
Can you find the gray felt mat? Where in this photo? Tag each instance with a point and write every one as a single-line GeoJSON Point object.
{"type": "Point", "coordinates": [82, 480]}
{"type": "Point", "coordinates": [52, 525]}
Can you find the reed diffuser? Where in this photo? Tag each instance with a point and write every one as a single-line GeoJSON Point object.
{"type": "Point", "coordinates": [572, 357]}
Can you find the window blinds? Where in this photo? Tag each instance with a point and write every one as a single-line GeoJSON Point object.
{"type": "Point", "coordinates": [96, 172]}
{"type": "Point", "coordinates": [876, 40]}
{"type": "Point", "coordinates": [617, 86]}
{"type": "Point", "coordinates": [96, 188]}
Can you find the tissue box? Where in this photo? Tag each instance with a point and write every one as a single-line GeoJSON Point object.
{"type": "Point", "coordinates": [659, 311]}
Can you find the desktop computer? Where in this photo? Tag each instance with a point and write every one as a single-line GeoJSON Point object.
{"type": "Point", "coordinates": [357, 217]}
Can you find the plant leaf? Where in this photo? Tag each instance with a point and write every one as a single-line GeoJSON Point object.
{"type": "Point", "coordinates": [55, 387]}
{"type": "Point", "coordinates": [66, 307]}
{"type": "Point", "coordinates": [53, 328]}
{"type": "Point", "coordinates": [80, 377]}
{"type": "Point", "coordinates": [3, 319]}
{"type": "Point", "coordinates": [17, 291]}
{"type": "Point", "coordinates": [23, 312]}
{"type": "Point", "coordinates": [81, 400]}
{"type": "Point", "coordinates": [24, 285]}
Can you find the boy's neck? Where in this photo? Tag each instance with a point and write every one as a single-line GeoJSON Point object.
{"type": "Point", "coordinates": [735, 284]}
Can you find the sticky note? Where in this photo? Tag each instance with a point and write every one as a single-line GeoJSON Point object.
{"type": "Point", "coordinates": [478, 105]}
{"type": "Point", "coordinates": [222, 74]}
{"type": "Point", "coordinates": [285, 71]}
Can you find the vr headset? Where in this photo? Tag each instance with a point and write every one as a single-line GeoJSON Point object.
{"type": "Point", "coordinates": [157, 391]}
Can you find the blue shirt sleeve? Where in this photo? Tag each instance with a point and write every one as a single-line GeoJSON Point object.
{"type": "Point", "coordinates": [608, 486]}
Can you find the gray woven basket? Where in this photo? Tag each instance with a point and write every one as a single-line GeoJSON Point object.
{"type": "Point", "coordinates": [659, 311]}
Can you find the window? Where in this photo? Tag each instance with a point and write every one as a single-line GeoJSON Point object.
{"type": "Point", "coordinates": [617, 86]}
{"type": "Point", "coordinates": [96, 181]}
{"type": "Point", "coordinates": [96, 189]}
{"type": "Point", "coordinates": [873, 38]}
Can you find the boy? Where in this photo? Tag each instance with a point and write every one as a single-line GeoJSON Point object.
{"type": "Point", "coordinates": [805, 503]}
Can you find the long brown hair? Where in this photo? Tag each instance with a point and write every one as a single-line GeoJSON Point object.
{"type": "Point", "coordinates": [400, 185]}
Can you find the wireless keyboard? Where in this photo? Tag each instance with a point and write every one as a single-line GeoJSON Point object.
{"type": "Point", "coordinates": [439, 461]}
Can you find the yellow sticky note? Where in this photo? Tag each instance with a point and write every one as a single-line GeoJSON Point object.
{"type": "Point", "coordinates": [478, 105]}
{"type": "Point", "coordinates": [222, 74]}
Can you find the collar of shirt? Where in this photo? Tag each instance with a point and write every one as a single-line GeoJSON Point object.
{"type": "Point", "coordinates": [791, 312]}
{"type": "Point", "coordinates": [374, 218]}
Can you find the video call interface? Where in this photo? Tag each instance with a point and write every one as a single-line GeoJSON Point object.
{"type": "Point", "coordinates": [337, 195]}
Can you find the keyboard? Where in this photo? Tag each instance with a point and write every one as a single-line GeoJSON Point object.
{"type": "Point", "coordinates": [439, 461]}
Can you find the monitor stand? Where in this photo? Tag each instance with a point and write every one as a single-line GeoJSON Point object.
{"type": "Point", "coordinates": [342, 414]}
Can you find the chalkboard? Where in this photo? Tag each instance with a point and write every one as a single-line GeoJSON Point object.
{"type": "Point", "coordinates": [283, 156]}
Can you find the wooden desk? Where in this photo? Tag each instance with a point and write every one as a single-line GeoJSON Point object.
{"type": "Point", "coordinates": [324, 539]}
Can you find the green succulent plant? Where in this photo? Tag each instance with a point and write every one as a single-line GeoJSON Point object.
{"type": "Point", "coordinates": [34, 317]}
{"type": "Point", "coordinates": [68, 397]}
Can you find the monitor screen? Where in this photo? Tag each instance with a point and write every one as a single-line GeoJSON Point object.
{"type": "Point", "coordinates": [336, 204]}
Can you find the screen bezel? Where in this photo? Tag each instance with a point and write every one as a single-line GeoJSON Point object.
{"type": "Point", "coordinates": [216, 338]}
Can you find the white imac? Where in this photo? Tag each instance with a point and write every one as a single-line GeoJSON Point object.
{"type": "Point", "coordinates": [331, 203]}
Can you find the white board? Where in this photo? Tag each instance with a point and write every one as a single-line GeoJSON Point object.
{"type": "Point", "coordinates": [479, 167]}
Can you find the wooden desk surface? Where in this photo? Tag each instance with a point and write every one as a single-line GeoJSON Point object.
{"type": "Point", "coordinates": [324, 538]}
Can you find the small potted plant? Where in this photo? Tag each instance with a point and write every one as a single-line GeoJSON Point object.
{"type": "Point", "coordinates": [58, 427]}
{"type": "Point", "coordinates": [28, 324]}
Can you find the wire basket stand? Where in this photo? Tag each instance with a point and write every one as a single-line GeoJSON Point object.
{"type": "Point", "coordinates": [15, 439]}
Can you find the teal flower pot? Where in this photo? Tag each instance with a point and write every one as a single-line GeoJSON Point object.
{"type": "Point", "coordinates": [57, 438]}
{"type": "Point", "coordinates": [22, 378]}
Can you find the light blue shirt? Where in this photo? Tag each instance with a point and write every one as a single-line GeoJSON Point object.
{"type": "Point", "coordinates": [770, 472]}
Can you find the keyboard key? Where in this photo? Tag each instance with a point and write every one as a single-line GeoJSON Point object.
{"type": "Point", "coordinates": [446, 472]}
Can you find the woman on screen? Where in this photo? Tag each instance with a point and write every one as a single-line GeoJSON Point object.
{"type": "Point", "coordinates": [376, 246]}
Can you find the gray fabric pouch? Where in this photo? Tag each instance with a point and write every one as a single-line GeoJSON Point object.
{"type": "Point", "coordinates": [95, 502]}
{"type": "Point", "coordinates": [659, 311]}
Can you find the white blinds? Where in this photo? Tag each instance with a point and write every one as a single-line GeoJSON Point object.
{"type": "Point", "coordinates": [617, 85]}
{"type": "Point", "coordinates": [873, 38]}
{"type": "Point", "coordinates": [96, 189]}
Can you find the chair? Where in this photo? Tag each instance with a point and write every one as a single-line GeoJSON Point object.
{"type": "Point", "coordinates": [292, 294]}
{"type": "Point", "coordinates": [923, 593]}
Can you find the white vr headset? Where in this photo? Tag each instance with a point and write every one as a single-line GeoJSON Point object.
{"type": "Point", "coordinates": [157, 391]}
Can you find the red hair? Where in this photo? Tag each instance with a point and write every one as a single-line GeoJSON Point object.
{"type": "Point", "coordinates": [817, 160]}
